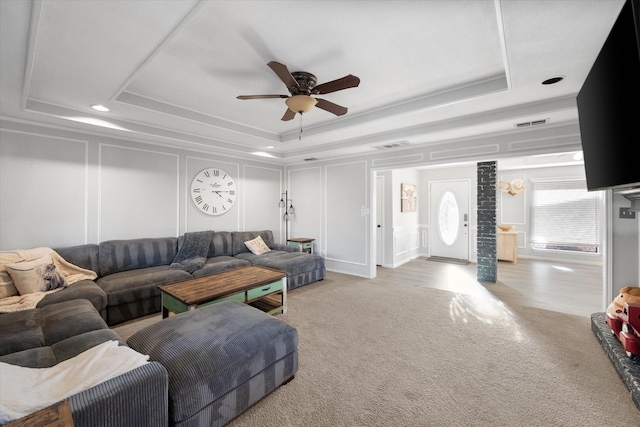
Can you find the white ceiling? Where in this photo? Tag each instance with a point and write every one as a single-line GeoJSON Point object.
{"type": "Point", "coordinates": [431, 71]}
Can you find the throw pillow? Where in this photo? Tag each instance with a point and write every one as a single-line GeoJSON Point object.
{"type": "Point", "coordinates": [7, 289]}
{"type": "Point", "coordinates": [39, 275]}
{"type": "Point", "coordinates": [257, 246]}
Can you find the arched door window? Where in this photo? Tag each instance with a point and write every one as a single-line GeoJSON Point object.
{"type": "Point", "coordinates": [448, 218]}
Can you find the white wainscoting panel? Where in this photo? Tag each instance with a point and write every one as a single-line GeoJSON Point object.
{"type": "Point", "coordinates": [406, 244]}
{"type": "Point", "coordinates": [43, 181]}
{"type": "Point", "coordinates": [346, 227]}
{"type": "Point", "coordinates": [306, 192]}
{"type": "Point", "coordinates": [138, 193]}
{"type": "Point", "coordinates": [513, 208]}
{"type": "Point", "coordinates": [260, 199]}
{"type": "Point", "coordinates": [425, 240]}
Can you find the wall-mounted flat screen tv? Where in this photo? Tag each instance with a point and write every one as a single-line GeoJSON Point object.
{"type": "Point", "coordinates": [609, 107]}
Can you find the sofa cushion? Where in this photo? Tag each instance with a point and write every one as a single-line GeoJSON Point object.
{"type": "Point", "coordinates": [84, 289]}
{"type": "Point", "coordinates": [84, 256]}
{"type": "Point", "coordinates": [141, 284]}
{"type": "Point", "coordinates": [221, 244]}
{"type": "Point", "coordinates": [220, 263]}
{"type": "Point", "coordinates": [239, 237]}
{"type": "Point", "coordinates": [47, 326]}
{"type": "Point", "coordinates": [46, 356]}
{"type": "Point", "coordinates": [116, 256]}
{"type": "Point", "coordinates": [292, 263]}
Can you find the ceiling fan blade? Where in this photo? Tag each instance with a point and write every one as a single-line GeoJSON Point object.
{"type": "Point", "coordinates": [261, 96]}
{"type": "Point", "coordinates": [288, 115]}
{"type": "Point", "coordinates": [335, 85]}
{"type": "Point", "coordinates": [329, 106]}
{"type": "Point", "coordinates": [284, 74]}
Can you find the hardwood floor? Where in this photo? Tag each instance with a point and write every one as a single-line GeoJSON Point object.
{"type": "Point", "coordinates": [564, 287]}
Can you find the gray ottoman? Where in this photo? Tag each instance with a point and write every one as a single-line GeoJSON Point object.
{"type": "Point", "coordinates": [221, 359]}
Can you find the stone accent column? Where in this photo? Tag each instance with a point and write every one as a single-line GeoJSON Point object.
{"type": "Point", "coordinates": [487, 270]}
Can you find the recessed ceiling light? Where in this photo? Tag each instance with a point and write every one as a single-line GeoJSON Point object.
{"type": "Point", "coordinates": [263, 154]}
{"type": "Point", "coordinates": [553, 80]}
{"type": "Point", "coordinates": [99, 107]}
{"type": "Point", "coordinates": [270, 146]}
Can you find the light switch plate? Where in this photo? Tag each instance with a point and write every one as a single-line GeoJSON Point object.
{"type": "Point", "coordinates": [627, 213]}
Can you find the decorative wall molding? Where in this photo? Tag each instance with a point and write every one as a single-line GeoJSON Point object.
{"type": "Point", "coordinates": [465, 152]}
{"type": "Point", "coordinates": [397, 160]}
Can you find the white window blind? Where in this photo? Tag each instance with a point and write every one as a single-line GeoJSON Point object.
{"type": "Point", "coordinates": [565, 216]}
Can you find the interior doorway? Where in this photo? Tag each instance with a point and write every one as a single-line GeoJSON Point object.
{"type": "Point", "coordinates": [379, 220]}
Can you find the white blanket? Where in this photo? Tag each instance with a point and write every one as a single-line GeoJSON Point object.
{"type": "Point", "coordinates": [27, 390]}
{"type": "Point", "coordinates": [72, 274]}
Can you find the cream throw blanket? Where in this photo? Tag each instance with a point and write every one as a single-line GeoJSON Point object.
{"type": "Point", "coordinates": [71, 273]}
{"type": "Point", "coordinates": [27, 390]}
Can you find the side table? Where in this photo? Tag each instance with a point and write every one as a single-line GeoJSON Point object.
{"type": "Point", "coordinates": [303, 244]}
{"type": "Point", "coordinates": [507, 246]}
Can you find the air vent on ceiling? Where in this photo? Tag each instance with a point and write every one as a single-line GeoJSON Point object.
{"type": "Point", "coordinates": [392, 145]}
{"type": "Point", "coordinates": [310, 159]}
{"type": "Point", "coordinates": [532, 123]}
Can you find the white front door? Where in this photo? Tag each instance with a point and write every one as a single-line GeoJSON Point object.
{"type": "Point", "coordinates": [449, 219]}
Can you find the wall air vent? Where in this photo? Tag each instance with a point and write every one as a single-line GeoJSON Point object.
{"type": "Point", "coordinates": [391, 145]}
{"type": "Point", "coordinates": [531, 123]}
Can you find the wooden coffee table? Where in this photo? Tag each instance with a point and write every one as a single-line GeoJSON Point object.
{"type": "Point", "coordinates": [261, 287]}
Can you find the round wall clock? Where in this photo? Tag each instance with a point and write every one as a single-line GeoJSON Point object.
{"type": "Point", "coordinates": [213, 191]}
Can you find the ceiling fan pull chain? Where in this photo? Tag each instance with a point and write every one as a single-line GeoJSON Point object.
{"type": "Point", "coordinates": [300, 134]}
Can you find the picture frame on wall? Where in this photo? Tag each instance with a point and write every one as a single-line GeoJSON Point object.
{"type": "Point", "coordinates": [408, 198]}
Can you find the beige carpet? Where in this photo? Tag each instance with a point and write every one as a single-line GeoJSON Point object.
{"type": "Point", "coordinates": [374, 354]}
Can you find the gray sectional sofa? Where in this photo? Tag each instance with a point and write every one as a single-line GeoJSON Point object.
{"type": "Point", "coordinates": [129, 271]}
{"type": "Point", "coordinates": [72, 320]}
{"type": "Point", "coordinates": [44, 337]}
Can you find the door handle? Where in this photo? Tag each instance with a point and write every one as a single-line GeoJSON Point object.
{"type": "Point", "coordinates": [378, 225]}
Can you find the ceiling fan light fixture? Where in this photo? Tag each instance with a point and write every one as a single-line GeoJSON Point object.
{"type": "Point", "coordinates": [301, 103]}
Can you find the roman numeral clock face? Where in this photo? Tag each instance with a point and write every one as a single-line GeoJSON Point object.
{"type": "Point", "coordinates": [213, 191]}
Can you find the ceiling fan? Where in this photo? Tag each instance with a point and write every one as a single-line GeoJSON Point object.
{"type": "Point", "coordinates": [301, 86]}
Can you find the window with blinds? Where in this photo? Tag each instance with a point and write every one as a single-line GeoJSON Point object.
{"type": "Point", "coordinates": [565, 216]}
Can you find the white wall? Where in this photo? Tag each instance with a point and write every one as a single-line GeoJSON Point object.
{"type": "Point", "coordinates": [62, 188]}
{"type": "Point", "coordinates": [625, 249]}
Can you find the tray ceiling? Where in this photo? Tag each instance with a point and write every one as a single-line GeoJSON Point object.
{"type": "Point", "coordinates": [170, 71]}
